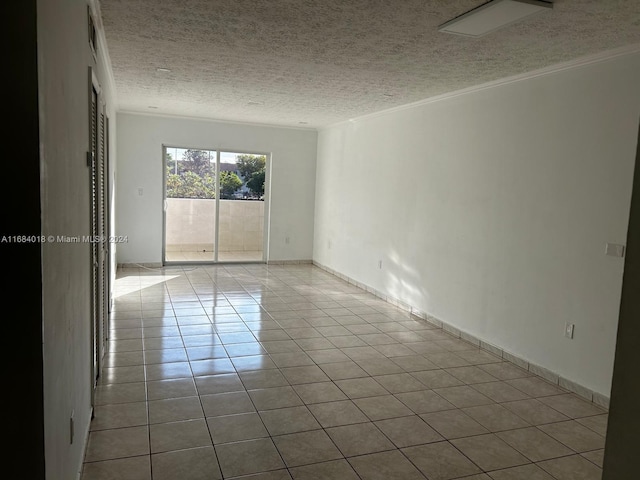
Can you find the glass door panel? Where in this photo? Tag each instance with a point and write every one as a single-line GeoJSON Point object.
{"type": "Point", "coordinates": [190, 205]}
{"type": "Point", "coordinates": [241, 211]}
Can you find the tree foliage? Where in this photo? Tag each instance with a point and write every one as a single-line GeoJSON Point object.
{"type": "Point", "coordinates": [250, 164]}
{"type": "Point", "coordinates": [193, 175]}
{"type": "Point", "coordinates": [252, 169]}
{"type": "Point", "coordinates": [229, 183]}
{"type": "Point", "coordinates": [256, 183]}
{"type": "Point", "coordinates": [190, 185]}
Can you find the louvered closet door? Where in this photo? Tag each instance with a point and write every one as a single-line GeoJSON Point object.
{"type": "Point", "coordinates": [101, 244]}
{"type": "Point", "coordinates": [93, 180]}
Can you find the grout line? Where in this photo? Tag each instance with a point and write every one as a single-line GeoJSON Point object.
{"type": "Point", "coordinates": [584, 392]}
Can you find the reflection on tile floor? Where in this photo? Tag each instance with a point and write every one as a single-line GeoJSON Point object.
{"type": "Point", "coordinates": [281, 372]}
{"type": "Point", "coordinates": [244, 256]}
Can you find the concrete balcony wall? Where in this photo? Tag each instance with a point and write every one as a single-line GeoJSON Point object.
{"type": "Point", "coordinates": [191, 225]}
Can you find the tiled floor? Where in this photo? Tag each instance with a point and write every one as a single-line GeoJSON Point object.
{"type": "Point", "coordinates": [280, 372]}
{"type": "Point", "coordinates": [235, 256]}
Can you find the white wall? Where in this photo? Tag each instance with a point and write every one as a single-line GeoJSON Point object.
{"type": "Point", "coordinates": [140, 140]}
{"type": "Point", "coordinates": [64, 58]}
{"type": "Point", "coordinates": [490, 210]}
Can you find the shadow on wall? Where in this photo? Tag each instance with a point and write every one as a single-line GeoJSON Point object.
{"type": "Point", "coordinates": [404, 283]}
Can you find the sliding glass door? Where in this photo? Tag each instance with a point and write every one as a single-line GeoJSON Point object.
{"type": "Point", "coordinates": [214, 208]}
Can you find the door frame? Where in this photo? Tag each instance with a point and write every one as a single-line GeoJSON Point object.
{"type": "Point", "coordinates": [267, 203]}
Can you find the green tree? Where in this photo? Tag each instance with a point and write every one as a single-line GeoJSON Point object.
{"type": "Point", "coordinates": [229, 183]}
{"type": "Point", "coordinates": [256, 183]}
{"type": "Point", "coordinates": [196, 161]}
{"type": "Point", "coordinates": [190, 185]}
{"type": "Point", "coordinates": [248, 165]}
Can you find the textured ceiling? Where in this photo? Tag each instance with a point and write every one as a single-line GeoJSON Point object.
{"type": "Point", "coordinates": [322, 61]}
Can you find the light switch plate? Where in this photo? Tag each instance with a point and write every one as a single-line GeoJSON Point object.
{"type": "Point", "coordinates": [614, 250]}
{"type": "Point", "coordinates": [568, 330]}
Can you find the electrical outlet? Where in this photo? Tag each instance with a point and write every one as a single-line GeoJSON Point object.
{"type": "Point", "coordinates": [568, 330]}
{"type": "Point", "coordinates": [140, 191]}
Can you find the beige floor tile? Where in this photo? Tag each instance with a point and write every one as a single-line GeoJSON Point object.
{"type": "Point", "coordinates": [119, 416]}
{"type": "Point", "coordinates": [305, 374]}
{"type": "Point", "coordinates": [359, 439]}
{"type": "Point", "coordinates": [534, 412]}
{"type": "Point", "coordinates": [399, 383]}
{"type": "Point", "coordinates": [133, 468]}
{"type": "Point", "coordinates": [343, 370]}
{"type": "Point", "coordinates": [489, 452]}
{"type": "Point", "coordinates": [117, 443]}
{"type": "Point", "coordinates": [572, 406]}
{"type": "Point", "coordinates": [310, 344]}
{"type": "Point", "coordinates": [278, 397]}
{"type": "Point", "coordinates": [244, 349]}
{"type": "Point", "coordinates": [523, 472]}
{"type": "Point", "coordinates": [179, 435]}
{"type": "Point", "coordinates": [252, 456]}
{"type": "Point", "coordinates": [535, 387]}
{"type": "Point", "coordinates": [206, 353]}
{"type": "Point", "coordinates": [291, 359]}
{"type": "Point", "coordinates": [597, 423]}
{"type": "Point", "coordinates": [440, 461]}
{"type": "Point", "coordinates": [414, 363]}
{"type": "Point", "coordinates": [394, 350]}
{"type": "Point", "coordinates": [213, 366]}
{"type": "Point", "coordinates": [162, 343]}
{"type": "Point", "coordinates": [334, 470]}
{"type": "Point", "coordinates": [332, 414]}
{"type": "Point", "coordinates": [391, 465]}
{"type": "Point", "coordinates": [500, 392]}
{"type": "Point", "coordinates": [453, 424]}
{"type": "Point", "coordinates": [174, 410]}
{"type": "Point", "coordinates": [505, 370]}
{"type": "Point", "coordinates": [572, 468]}
{"type": "Point", "coordinates": [424, 401]}
{"type": "Point", "coordinates": [163, 371]}
{"type": "Point", "coordinates": [534, 444]}
{"type": "Point", "coordinates": [346, 341]}
{"type": "Point", "coordinates": [306, 448]}
{"type": "Point", "coordinates": [380, 408]}
{"type": "Point", "coordinates": [172, 388]}
{"type": "Point", "coordinates": [408, 431]}
{"type": "Point", "coordinates": [447, 360]}
{"type": "Point", "coordinates": [234, 428]}
{"type": "Point", "coordinates": [114, 375]}
{"type": "Point", "coordinates": [463, 396]}
{"type": "Point", "coordinates": [379, 366]}
{"type": "Point", "coordinates": [272, 475]}
{"type": "Point", "coordinates": [596, 457]}
{"type": "Point", "coordinates": [437, 379]}
{"type": "Point", "coordinates": [226, 404]}
{"type": "Point", "coordinates": [192, 464]}
{"type": "Point", "coordinates": [319, 392]}
{"type": "Point", "coordinates": [224, 383]}
{"type": "Point", "coordinates": [123, 359]}
{"type": "Point", "coordinates": [495, 417]}
{"type": "Point", "coordinates": [263, 379]}
{"type": "Point", "coordinates": [289, 420]}
{"type": "Point", "coordinates": [120, 393]}
{"type": "Point", "coordinates": [307, 364]}
{"type": "Point", "coordinates": [361, 387]}
{"type": "Point", "coordinates": [471, 375]}
{"type": "Point", "coordinates": [328, 356]}
{"type": "Point", "coordinates": [575, 436]}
